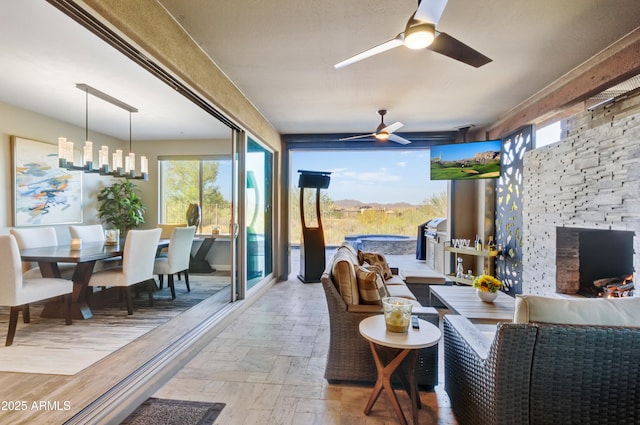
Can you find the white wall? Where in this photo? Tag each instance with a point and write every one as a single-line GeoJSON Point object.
{"type": "Point", "coordinates": [23, 123]}
{"type": "Point", "coordinates": [19, 122]}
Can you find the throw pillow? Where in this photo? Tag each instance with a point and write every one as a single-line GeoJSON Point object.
{"type": "Point", "coordinates": [375, 258]}
{"type": "Point", "coordinates": [370, 285]}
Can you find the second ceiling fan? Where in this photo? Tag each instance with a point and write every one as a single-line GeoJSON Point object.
{"type": "Point", "coordinates": [420, 32]}
{"type": "Point", "coordinates": [383, 132]}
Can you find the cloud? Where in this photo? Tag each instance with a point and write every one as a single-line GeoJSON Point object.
{"type": "Point", "coordinates": [371, 176]}
{"type": "Point", "coordinates": [402, 163]}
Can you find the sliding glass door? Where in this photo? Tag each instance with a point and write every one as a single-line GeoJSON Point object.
{"type": "Point", "coordinates": [258, 202]}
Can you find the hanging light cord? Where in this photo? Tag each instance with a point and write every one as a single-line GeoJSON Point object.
{"type": "Point", "coordinates": [86, 117]}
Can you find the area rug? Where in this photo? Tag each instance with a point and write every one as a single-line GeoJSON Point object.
{"type": "Point", "coordinates": [47, 346]}
{"type": "Point", "coordinates": [162, 411]}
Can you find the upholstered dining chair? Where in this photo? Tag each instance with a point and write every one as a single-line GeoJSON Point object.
{"type": "Point", "coordinates": [137, 265]}
{"type": "Point", "coordinates": [88, 233]}
{"type": "Point", "coordinates": [94, 233]}
{"type": "Point", "coordinates": [177, 260]}
{"type": "Point", "coordinates": [17, 292]}
{"type": "Point", "coordinates": [167, 229]}
{"type": "Point", "coordinates": [37, 237]}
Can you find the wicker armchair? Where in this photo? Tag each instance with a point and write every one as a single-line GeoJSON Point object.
{"type": "Point", "coordinates": [542, 373]}
{"type": "Point", "coordinates": [349, 357]}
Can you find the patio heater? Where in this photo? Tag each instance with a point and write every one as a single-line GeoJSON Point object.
{"type": "Point", "coordinates": [312, 255]}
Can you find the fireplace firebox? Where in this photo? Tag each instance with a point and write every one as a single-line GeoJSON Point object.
{"type": "Point", "coordinates": [588, 260]}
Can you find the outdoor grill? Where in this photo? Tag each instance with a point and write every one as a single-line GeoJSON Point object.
{"type": "Point", "coordinates": [435, 233]}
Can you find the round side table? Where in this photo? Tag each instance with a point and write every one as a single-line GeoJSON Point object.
{"type": "Point", "coordinates": [374, 330]}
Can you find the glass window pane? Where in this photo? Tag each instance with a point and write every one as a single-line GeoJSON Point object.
{"type": "Point", "coordinates": [258, 212]}
{"type": "Point", "coordinates": [204, 182]}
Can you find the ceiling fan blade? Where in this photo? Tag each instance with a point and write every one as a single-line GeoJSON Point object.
{"type": "Point", "coordinates": [449, 46]}
{"type": "Point", "coordinates": [430, 11]}
{"type": "Point", "coordinates": [388, 45]}
{"type": "Point", "coordinates": [362, 136]}
{"type": "Point", "coordinates": [398, 139]}
{"type": "Point", "coordinates": [393, 127]}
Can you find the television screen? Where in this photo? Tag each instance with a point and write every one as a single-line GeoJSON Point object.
{"type": "Point", "coordinates": [466, 161]}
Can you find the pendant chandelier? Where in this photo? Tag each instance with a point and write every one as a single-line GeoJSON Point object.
{"type": "Point", "coordinates": [120, 166]}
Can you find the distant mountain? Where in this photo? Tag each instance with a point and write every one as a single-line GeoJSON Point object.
{"type": "Point", "coordinates": [352, 204]}
{"type": "Point", "coordinates": [486, 157]}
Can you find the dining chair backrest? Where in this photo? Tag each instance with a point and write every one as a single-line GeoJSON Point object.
{"type": "Point", "coordinates": [88, 233]}
{"type": "Point", "coordinates": [139, 254]}
{"type": "Point", "coordinates": [180, 248]}
{"type": "Point", "coordinates": [167, 229]}
{"type": "Point", "coordinates": [34, 237]}
{"type": "Point", "coordinates": [11, 276]}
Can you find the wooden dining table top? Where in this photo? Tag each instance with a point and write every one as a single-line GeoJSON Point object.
{"type": "Point", "coordinates": [89, 251]}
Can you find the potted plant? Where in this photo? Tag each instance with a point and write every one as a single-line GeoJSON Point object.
{"type": "Point", "coordinates": [121, 207]}
{"type": "Point", "coordinates": [487, 287]}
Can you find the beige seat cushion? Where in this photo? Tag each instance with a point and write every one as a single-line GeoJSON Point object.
{"type": "Point", "coordinates": [370, 285]}
{"type": "Point", "coordinates": [578, 311]}
{"type": "Point", "coordinates": [400, 291]}
{"type": "Point", "coordinates": [394, 280]}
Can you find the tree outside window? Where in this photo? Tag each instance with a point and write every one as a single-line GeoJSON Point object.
{"type": "Point", "coordinates": [205, 182]}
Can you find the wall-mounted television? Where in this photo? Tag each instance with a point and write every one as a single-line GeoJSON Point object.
{"type": "Point", "coordinates": [466, 161]}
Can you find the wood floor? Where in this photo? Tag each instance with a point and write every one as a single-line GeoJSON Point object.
{"type": "Point", "coordinates": [36, 398]}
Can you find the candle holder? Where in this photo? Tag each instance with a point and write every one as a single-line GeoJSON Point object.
{"type": "Point", "coordinates": [397, 314]}
{"type": "Point", "coordinates": [75, 244]}
{"type": "Point", "coordinates": [111, 236]}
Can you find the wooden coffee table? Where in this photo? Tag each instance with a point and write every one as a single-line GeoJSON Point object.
{"type": "Point", "coordinates": [407, 345]}
{"type": "Point", "coordinates": [464, 301]}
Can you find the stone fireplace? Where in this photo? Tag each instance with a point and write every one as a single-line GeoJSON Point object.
{"type": "Point", "coordinates": [583, 190]}
{"type": "Point", "coordinates": [586, 256]}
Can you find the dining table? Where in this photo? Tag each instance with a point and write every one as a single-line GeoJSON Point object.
{"type": "Point", "coordinates": [85, 258]}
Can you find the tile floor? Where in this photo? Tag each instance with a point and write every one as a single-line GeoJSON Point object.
{"type": "Point", "coordinates": [268, 368]}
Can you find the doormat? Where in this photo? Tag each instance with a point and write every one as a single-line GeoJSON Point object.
{"type": "Point", "coordinates": [174, 412]}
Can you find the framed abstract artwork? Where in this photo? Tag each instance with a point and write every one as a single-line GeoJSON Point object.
{"type": "Point", "coordinates": [43, 193]}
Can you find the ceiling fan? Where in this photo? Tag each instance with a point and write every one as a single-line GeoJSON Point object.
{"type": "Point", "coordinates": [420, 32]}
{"type": "Point", "coordinates": [383, 132]}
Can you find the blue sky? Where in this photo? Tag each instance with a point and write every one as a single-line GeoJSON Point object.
{"type": "Point", "coordinates": [372, 176]}
{"type": "Point", "coordinates": [464, 150]}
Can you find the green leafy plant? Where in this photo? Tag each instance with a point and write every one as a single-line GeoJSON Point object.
{"type": "Point", "coordinates": [121, 206]}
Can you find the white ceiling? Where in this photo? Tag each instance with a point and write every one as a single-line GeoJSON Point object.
{"type": "Point", "coordinates": [44, 54]}
{"type": "Point", "coordinates": [280, 53]}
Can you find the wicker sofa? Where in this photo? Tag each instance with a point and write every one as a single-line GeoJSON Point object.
{"type": "Point", "coordinates": [547, 373]}
{"type": "Point", "coordinates": [349, 358]}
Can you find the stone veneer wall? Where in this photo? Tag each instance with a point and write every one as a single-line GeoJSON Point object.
{"type": "Point", "coordinates": [590, 179]}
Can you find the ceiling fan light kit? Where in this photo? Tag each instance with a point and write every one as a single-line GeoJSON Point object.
{"type": "Point", "coordinates": [383, 132]}
{"type": "Point", "coordinates": [419, 36]}
{"type": "Point", "coordinates": [383, 135]}
{"type": "Point", "coordinates": [420, 33]}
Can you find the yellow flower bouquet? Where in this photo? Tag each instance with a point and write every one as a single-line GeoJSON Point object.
{"type": "Point", "coordinates": [487, 283]}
